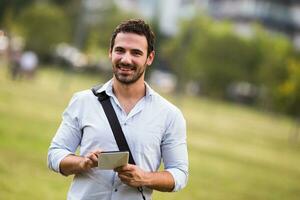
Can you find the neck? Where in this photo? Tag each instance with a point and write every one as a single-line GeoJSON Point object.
{"type": "Point", "coordinates": [131, 92]}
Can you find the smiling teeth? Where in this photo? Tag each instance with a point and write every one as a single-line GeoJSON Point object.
{"type": "Point", "coordinates": [125, 69]}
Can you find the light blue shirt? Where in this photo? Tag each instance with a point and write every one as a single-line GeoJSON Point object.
{"type": "Point", "coordinates": [154, 129]}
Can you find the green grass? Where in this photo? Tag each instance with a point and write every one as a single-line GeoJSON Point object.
{"type": "Point", "coordinates": [235, 152]}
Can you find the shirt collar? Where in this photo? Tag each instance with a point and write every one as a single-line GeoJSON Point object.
{"type": "Point", "coordinates": [107, 87]}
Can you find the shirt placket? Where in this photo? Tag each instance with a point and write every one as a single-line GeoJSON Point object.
{"type": "Point", "coordinates": [115, 187]}
{"type": "Point", "coordinates": [124, 119]}
{"type": "Point", "coordinates": [116, 181]}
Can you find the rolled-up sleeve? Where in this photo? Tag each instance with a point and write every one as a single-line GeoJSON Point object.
{"type": "Point", "coordinates": [67, 137]}
{"type": "Point", "coordinates": [174, 150]}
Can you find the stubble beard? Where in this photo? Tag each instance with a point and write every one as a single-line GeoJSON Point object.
{"type": "Point", "coordinates": [130, 79]}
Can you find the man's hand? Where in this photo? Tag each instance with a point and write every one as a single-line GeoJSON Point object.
{"type": "Point", "coordinates": [132, 175]}
{"type": "Point", "coordinates": [90, 160]}
{"type": "Point", "coordinates": [73, 164]}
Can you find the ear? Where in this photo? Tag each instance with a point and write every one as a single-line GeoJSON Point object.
{"type": "Point", "coordinates": [109, 53]}
{"type": "Point", "coordinates": [150, 58]}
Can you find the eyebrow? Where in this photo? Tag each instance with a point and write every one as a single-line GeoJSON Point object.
{"type": "Point", "coordinates": [119, 48]}
{"type": "Point", "coordinates": [137, 51]}
{"type": "Point", "coordinates": [132, 50]}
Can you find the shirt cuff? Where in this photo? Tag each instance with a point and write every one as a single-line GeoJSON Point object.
{"type": "Point", "coordinates": [180, 178]}
{"type": "Point", "coordinates": [56, 157]}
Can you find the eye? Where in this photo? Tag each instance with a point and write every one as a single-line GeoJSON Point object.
{"type": "Point", "coordinates": [137, 53]}
{"type": "Point", "coordinates": [119, 50]}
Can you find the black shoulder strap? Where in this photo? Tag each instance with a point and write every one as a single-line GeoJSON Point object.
{"type": "Point", "coordinates": [113, 121]}
{"type": "Point", "coordinates": [115, 126]}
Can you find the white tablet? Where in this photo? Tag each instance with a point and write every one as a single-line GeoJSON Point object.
{"type": "Point", "coordinates": [112, 159]}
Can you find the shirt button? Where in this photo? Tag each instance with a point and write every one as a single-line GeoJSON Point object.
{"type": "Point", "coordinates": [116, 190]}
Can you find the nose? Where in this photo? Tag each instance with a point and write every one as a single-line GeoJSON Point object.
{"type": "Point", "coordinates": [126, 58]}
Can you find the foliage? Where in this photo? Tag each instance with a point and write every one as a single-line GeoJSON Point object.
{"type": "Point", "coordinates": [205, 51]}
{"type": "Point", "coordinates": [212, 54]}
{"type": "Point", "coordinates": [99, 33]}
{"type": "Point", "coordinates": [43, 26]}
{"type": "Point", "coordinates": [275, 51]}
{"type": "Point", "coordinates": [288, 91]}
{"type": "Point", "coordinates": [11, 7]}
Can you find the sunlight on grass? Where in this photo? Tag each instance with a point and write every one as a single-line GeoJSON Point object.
{"type": "Point", "coordinates": [235, 152]}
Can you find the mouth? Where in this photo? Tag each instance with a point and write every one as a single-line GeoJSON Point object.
{"type": "Point", "coordinates": [125, 68]}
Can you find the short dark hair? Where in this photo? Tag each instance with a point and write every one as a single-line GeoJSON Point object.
{"type": "Point", "coordinates": [137, 26]}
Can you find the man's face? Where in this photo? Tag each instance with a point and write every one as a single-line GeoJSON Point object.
{"type": "Point", "coordinates": [129, 57]}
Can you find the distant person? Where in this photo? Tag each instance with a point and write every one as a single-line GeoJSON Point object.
{"type": "Point", "coordinates": [154, 128]}
{"type": "Point", "coordinates": [4, 42]}
{"type": "Point", "coordinates": [14, 56]}
{"type": "Point", "coordinates": [28, 63]}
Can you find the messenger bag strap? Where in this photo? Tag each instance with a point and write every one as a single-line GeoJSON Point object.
{"type": "Point", "coordinates": [113, 122]}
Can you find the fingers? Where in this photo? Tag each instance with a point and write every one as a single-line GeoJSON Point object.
{"type": "Point", "coordinates": [94, 154]}
{"type": "Point", "coordinates": [93, 157]}
{"type": "Point", "coordinates": [125, 179]}
{"type": "Point", "coordinates": [124, 173]}
{"type": "Point", "coordinates": [131, 175]}
{"type": "Point", "coordinates": [86, 164]}
{"type": "Point", "coordinates": [97, 151]}
{"type": "Point", "coordinates": [119, 169]}
{"type": "Point", "coordinates": [90, 160]}
{"type": "Point", "coordinates": [124, 168]}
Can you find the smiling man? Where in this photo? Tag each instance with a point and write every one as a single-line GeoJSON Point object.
{"type": "Point", "coordinates": [130, 58]}
{"type": "Point", "coordinates": [155, 129]}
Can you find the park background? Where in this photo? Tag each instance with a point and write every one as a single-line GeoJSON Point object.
{"type": "Point", "coordinates": [232, 67]}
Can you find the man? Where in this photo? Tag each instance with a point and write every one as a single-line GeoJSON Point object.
{"type": "Point", "coordinates": [154, 128]}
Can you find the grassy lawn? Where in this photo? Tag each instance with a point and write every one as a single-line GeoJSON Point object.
{"type": "Point", "coordinates": [235, 152]}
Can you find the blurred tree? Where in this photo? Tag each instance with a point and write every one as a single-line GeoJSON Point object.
{"type": "Point", "coordinates": [99, 32]}
{"type": "Point", "coordinates": [11, 8]}
{"type": "Point", "coordinates": [71, 10]}
{"type": "Point", "coordinates": [275, 51]}
{"type": "Point", "coordinates": [211, 54]}
{"type": "Point", "coordinates": [289, 90]}
{"type": "Point", "coordinates": [43, 26]}
{"type": "Point", "coordinates": [109, 20]}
